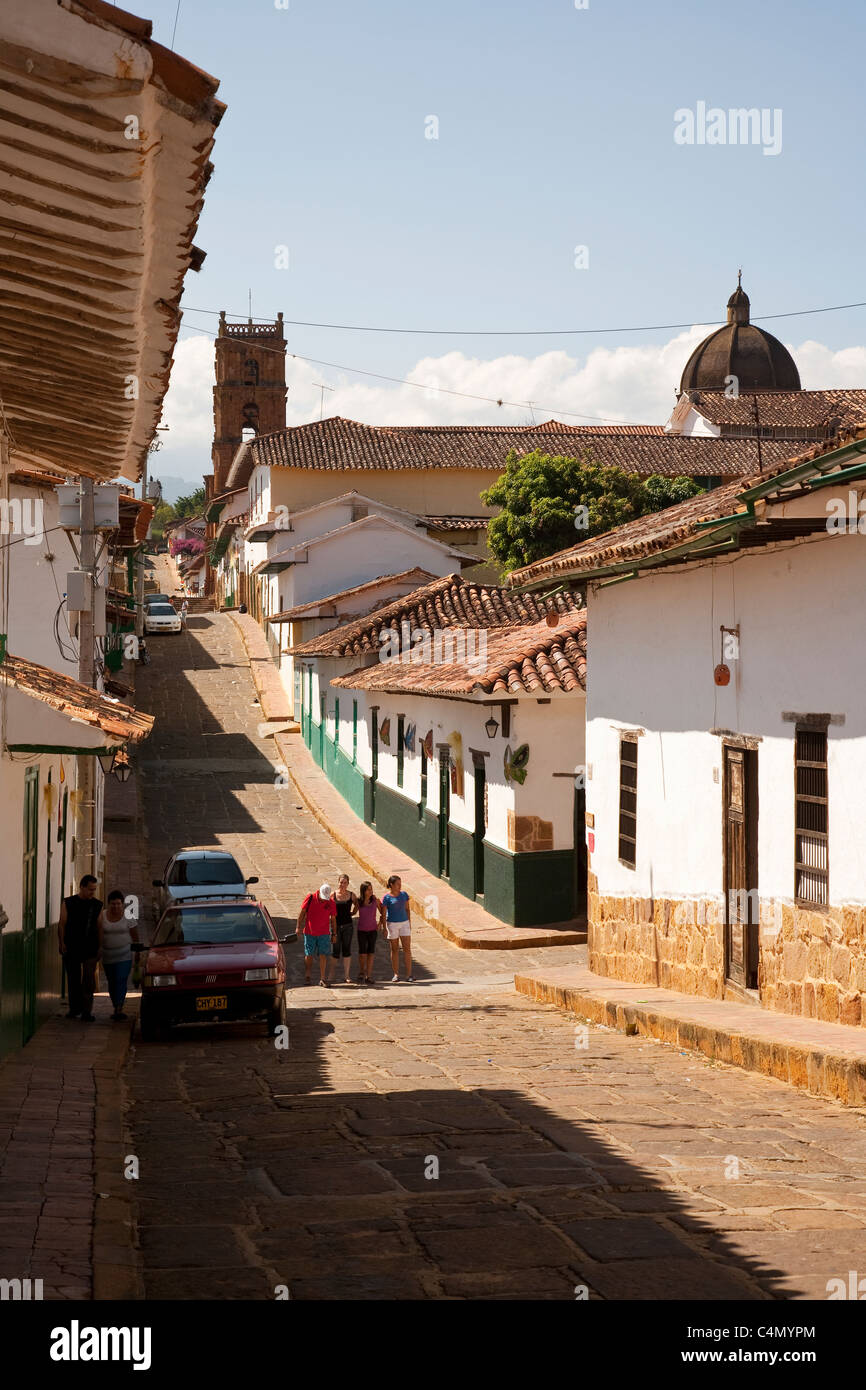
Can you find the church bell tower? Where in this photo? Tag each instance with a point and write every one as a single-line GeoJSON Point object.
{"type": "Point", "coordinates": [250, 389]}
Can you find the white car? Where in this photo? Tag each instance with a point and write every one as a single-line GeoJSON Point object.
{"type": "Point", "coordinates": [199, 873]}
{"type": "Point", "coordinates": [161, 617]}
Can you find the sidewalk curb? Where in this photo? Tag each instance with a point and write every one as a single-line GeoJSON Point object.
{"type": "Point", "coordinates": [273, 699]}
{"type": "Point", "coordinates": [820, 1071]}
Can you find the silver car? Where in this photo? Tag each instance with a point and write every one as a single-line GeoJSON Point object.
{"type": "Point", "coordinates": [199, 873]}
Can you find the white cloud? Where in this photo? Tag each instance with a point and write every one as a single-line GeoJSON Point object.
{"type": "Point", "coordinates": [632, 384]}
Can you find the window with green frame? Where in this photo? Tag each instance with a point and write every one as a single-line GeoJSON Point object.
{"type": "Point", "coordinates": [354, 732]}
{"type": "Point", "coordinates": [336, 723]}
{"type": "Point", "coordinates": [401, 720]}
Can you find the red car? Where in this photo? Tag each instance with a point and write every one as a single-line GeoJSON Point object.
{"type": "Point", "coordinates": [212, 962]}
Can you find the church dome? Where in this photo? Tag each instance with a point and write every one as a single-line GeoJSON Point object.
{"type": "Point", "coordinates": [742, 350]}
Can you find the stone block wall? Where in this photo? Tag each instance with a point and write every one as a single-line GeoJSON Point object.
{"type": "Point", "coordinates": [528, 833]}
{"type": "Point", "coordinates": [814, 963]}
{"type": "Point", "coordinates": [810, 963]}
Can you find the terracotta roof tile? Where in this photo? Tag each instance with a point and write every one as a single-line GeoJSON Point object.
{"type": "Point", "coordinates": [529, 659]}
{"type": "Point", "coordinates": [457, 523]}
{"type": "Point", "coordinates": [445, 603]}
{"type": "Point", "coordinates": [337, 444]}
{"type": "Point", "coordinates": [781, 409]}
{"type": "Point", "coordinates": [70, 697]}
{"type": "Point", "coordinates": [660, 530]}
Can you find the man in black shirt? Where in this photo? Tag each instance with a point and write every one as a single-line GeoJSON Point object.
{"type": "Point", "coordinates": [80, 943]}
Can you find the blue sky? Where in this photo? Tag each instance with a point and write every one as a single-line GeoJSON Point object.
{"type": "Point", "coordinates": [555, 130]}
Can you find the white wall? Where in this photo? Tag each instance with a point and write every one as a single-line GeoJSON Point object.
{"type": "Point", "coordinates": [554, 732]}
{"type": "Point", "coordinates": [653, 645]}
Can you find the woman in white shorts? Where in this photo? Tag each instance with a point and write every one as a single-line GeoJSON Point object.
{"type": "Point", "coordinates": [396, 919]}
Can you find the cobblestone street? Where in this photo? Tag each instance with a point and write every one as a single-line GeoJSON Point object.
{"type": "Point", "coordinates": [448, 1139]}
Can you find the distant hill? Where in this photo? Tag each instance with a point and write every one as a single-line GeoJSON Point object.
{"type": "Point", "coordinates": [173, 487]}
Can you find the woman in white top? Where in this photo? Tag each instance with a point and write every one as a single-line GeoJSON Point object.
{"type": "Point", "coordinates": [118, 934]}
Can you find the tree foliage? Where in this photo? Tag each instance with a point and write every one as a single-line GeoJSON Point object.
{"type": "Point", "coordinates": [191, 504]}
{"type": "Point", "coordinates": [541, 494]}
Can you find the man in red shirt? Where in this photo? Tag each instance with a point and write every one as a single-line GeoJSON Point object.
{"type": "Point", "coordinates": [316, 917]}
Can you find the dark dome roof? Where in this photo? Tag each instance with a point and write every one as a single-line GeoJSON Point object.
{"type": "Point", "coordinates": [742, 350]}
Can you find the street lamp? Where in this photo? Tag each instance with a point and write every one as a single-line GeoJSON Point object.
{"type": "Point", "coordinates": [492, 727]}
{"type": "Point", "coordinates": [117, 761]}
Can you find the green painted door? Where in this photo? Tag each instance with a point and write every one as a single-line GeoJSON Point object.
{"type": "Point", "coordinates": [48, 863]}
{"type": "Point", "coordinates": [374, 753]}
{"type": "Point", "coordinates": [28, 915]}
{"type": "Point", "coordinates": [480, 827]}
{"type": "Point", "coordinates": [444, 815]}
{"type": "Point", "coordinates": [321, 731]}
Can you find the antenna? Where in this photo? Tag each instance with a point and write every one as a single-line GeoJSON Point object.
{"type": "Point", "coordinates": [250, 304]}
{"type": "Point", "coordinates": [322, 389]}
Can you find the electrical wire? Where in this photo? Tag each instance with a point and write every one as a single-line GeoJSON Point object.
{"type": "Point", "coordinates": [420, 385]}
{"type": "Point", "coordinates": [533, 332]}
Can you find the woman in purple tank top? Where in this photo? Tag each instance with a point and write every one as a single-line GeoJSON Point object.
{"type": "Point", "coordinates": [368, 912]}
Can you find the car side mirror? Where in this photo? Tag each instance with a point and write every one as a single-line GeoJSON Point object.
{"type": "Point", "coordinates": [292, 936]}
{"type": "Point", "coordinates": [156, 883]}
{"type": "Point", "coordinates": [254, 879]}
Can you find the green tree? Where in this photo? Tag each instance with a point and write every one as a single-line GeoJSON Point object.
{"type": "Point", "coordinates": [541, 496]}
{"type": "Point", "coordinates": [163, 513]}
{"type": "Point", "coordinates": [191, 504]}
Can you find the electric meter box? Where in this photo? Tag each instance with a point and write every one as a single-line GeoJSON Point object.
{"type": "Point", "coordinates": [69, 505]}
{"type": "Point", "coordinates": [106, 507]}
{"type": "Point", "coordinates": [79, 591]}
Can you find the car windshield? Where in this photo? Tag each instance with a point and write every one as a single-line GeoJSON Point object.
{"type": "Point", "coordinates": [214, 926]}
{"type": "Point", "coordinates": [196, 873]}
{"type": "Point", "coordinates": [161, 610]}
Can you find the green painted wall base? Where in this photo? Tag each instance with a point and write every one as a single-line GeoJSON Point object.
{"type": "Point", "coordinates": [524, 890]}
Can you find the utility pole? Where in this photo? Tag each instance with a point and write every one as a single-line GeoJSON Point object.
{"type": "Point", "coordinates": [139, 568]}
{"type": "Point", "coordinates": [85, 819]}
{"type": "Point", "coordinates": [86, 643]}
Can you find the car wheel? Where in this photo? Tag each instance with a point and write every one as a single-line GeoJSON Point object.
{"type": "Point", "coordinates": [277, 1016]}
{"type": "Point", "coordinates": [148, 1022]}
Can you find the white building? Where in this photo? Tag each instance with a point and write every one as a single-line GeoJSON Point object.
{"type": "Point", "coordinates": [726, 739]}
{"type": "Point", "coordinates": [85, 352]}
{"type": "Point", "coordinates": [466, 748]}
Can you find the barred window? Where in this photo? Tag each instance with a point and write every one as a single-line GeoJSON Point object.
{"type": "Point", "coordinates": [811, 868]}
{"type": "Point", "coordinates": [627, 799]}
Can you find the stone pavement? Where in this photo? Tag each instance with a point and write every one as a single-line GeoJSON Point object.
{"type": "Point", "coordinates": [449, 1139]}
{"type": "Point", "coordinates": [827, 1059]}
{"type": "Point", "coordinates": [60, 1141]}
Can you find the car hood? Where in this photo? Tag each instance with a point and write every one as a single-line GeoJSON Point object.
{"type": "Point", "coordinates": [241, 955]}
{"type": "Point", "coordinates": [181, 893]}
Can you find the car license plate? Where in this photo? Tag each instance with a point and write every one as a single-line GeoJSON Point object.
{"type": "Point", "coordinates": [206, 1003]}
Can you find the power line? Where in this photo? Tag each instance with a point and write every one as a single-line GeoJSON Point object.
{"type": "Point", "coordinates": [442, 390]}
{"type": "Point", "coordinates": [535, 332]}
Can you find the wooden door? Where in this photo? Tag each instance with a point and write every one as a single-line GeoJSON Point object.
{"type": "Point", "coordinates": [374, 761]}
{"type": "Point", "coordinates": [740, 865]}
